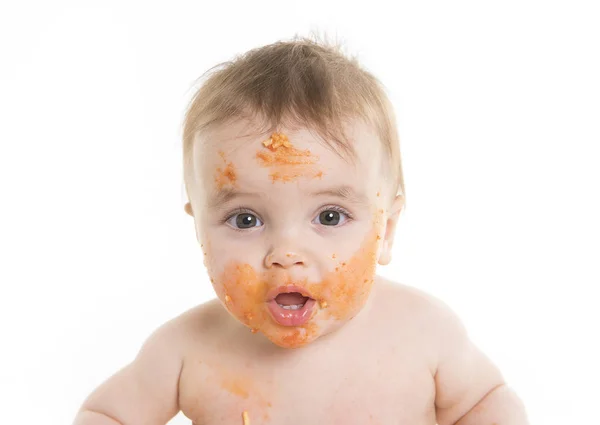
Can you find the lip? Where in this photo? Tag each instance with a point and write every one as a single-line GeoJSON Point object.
{"type": "Point", "coordinates": [272, 294]}
{"type": "Point", "coordinates": [290, 317]}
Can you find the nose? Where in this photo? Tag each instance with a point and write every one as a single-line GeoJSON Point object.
{"type": "Point", "coordinates": [284, 258]}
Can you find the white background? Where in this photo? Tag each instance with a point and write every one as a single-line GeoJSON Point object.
{"type": "Point", "coordinates": [498, 106]}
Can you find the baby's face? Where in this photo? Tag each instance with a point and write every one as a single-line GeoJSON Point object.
{"type": "Point", "coordinates": [291, 234]}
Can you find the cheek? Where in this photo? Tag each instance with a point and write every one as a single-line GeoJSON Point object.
{"type": "Point", "coordinates": [341, 293]}
{"type": "Point", "coordinates": [344, 291]}
{"type": "Point", "coordinates": [238, 285]}
{"type": "Point", "coordinates": [243, 293]}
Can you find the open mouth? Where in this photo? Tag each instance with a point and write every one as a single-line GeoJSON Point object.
{"type": "Point", "coordinates": [291, 308]}
{"type": "Point", "coordinates": [291, 300]}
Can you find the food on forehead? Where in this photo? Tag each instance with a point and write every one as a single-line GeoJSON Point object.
{"type": "Point", "coordinates": [277, 140]}
{"type": "Point", "coordinates": [245, 418]}
{"type": "Point", "coordinates": [287, 162]}
{"type": "Point", "coordinates": [225, 176]}
{"type": "Point", "coordinates": [287, 157]}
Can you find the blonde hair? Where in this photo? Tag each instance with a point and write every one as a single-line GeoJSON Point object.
{"type": "Point", "coordinates": [299, 82]}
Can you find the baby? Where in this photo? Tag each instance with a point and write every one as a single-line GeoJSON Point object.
{"type": "Point", "coordinates": [293, 171]}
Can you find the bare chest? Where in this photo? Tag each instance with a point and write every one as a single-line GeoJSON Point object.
{"type": "Point", "coordinates": [329, 387]}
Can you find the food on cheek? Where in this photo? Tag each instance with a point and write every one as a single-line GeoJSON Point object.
{"type": "Point", "coordinates": [285, 161]}
{"type": "Point", "coordinates": [346, 290]}
{"type": "Point", "coordinates": [341, 294]}
{"type": "Point", "coordinates": [245, 293]}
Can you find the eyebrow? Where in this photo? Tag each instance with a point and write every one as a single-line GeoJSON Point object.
{"type": "Point", "coordinates": [346, 193]}
{"type": "Point", "coordinates": [225, 195]}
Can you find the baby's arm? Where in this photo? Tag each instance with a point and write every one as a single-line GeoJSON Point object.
{"type": "Point", "coordinates": [470, 389]}
{"type": "Point", "coordinates": [143, 392]}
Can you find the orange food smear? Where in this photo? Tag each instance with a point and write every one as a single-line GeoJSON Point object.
{"type": "Point", "coordinates": [233, 382]}
{"type": "Point", "coordinates": [348, 289]}
{"type": "Point", "coordinates": [235, 386]}
{"type": "Point", "coordinates": [286, 162]}
{"type": "Point", "coordinates": [225, 176]}
{"type": "Point", "coordinates": [243, 385]}
{"type": "Point", "coordinates": [299, 335]}
{"type": "Point", "coordinates": [343, 291]}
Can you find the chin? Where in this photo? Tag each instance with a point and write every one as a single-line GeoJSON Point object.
{"type": "Point", "coordinates": [293, 337]}
{"type": "Point", "coordinates": [301, 336]}
{"type": "Point", "coordinates": [290, 345]}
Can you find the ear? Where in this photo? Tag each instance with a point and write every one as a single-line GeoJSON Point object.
{"type": "Point", "coordinates": [188, 209]}
{"type": "Point", "coordinates": [385, 256]}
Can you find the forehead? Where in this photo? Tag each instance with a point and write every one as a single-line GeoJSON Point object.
{"type": "Point", "coordinates": [234, 154]}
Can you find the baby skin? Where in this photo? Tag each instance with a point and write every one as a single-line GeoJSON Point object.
{"type": "Point", "coordinates": [303, 330]}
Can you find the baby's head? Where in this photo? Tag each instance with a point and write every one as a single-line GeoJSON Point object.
{"type": "Point", "coordinates": [292, 168]}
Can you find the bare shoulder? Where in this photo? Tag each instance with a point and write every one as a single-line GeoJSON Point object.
{"type": "Point", "coordinates": [432, 313]}
{"type": "Point", "coordinates": [172, 339]}
{"type": "Point", "coordinates": [420, 317]}
{"type": "Point", "coordinates": [402, 299]}
{"type": "Point", "coordinates": [203, 321]}
{"type": "Point", "coordinates": [147, 389]}
{"type": "Point", "coordinates": [463, 374]}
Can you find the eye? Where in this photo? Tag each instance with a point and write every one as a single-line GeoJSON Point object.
{"type": "Point", "coordinates": [332, 216]}
{"type": "Point", "coordinates": [244, 220]}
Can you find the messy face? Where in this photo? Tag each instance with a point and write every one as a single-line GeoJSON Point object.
{"type": "Point", "coordinates": [291, 232]}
